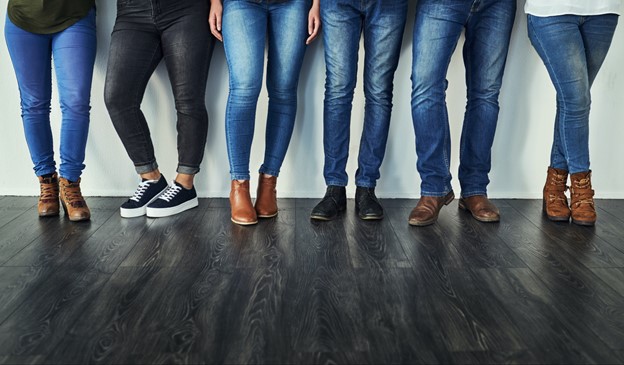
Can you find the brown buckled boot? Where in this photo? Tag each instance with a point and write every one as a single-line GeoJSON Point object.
{"type": "Point", "coordinates": [48, 204]}
{"type": "Point", "coordinates": [73, 203]}
{"type": "Point", "coordinates": [266, 200]}
{"type": "Point", "coordinates": [555, 203]}
{"type": "Point", "coordinates": [243, 212]}
{"type": "Point", "coordinates": [582, 199]}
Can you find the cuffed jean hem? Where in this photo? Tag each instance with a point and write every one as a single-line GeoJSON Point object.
{"type": "Point", "coordinates": [45, 172]}
{"type": "Point", "coordinates": [335, 183]}
{"type": "Point", "coordinates": [368, 185]}
{"type": "Point", "coordinates": [473, 193]}
{"type": "Point", "coordinates": [189, 170]}
{"type": "Point", "coordinates": [72, 178]}
{"type": "Point", "coordinates": [264, 170]}
{"type": "Point", "coordinates": [144, 169]}
{"type": "Point", "coordinates": [437, 195]}
{"type": "Point", "coordinates": [240, 176]}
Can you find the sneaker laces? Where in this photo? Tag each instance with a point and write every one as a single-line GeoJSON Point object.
{"type": "Point", "coordinates": [170, 193]}
{"type": "Point", "coordinates": [138, 194]}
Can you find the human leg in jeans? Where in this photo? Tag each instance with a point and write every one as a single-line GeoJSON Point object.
{"type": "Point", "coordinates": [74, 51]}
{"type": "Point", "coordinates": [573, 49]}
{"type": "Point", "coordinates": [344, 21]}
{"type": "Point", "coordinates": [245, 31]}
{"type": "Point", "coordinates": [177, 32]}
{"type": "Point", "coordinates": [437, 29]}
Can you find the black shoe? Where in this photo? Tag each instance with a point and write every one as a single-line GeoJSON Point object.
{"type": "Point", "coordinates": [366, 204]}
{"type": "Point", "coordinates": [147, 192]}
{"type": "Point", "coordinates": [176, 199]}
{"type": "Point", "coordinates": [334, 202]}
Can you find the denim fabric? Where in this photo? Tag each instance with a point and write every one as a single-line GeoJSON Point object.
{"type": "Point", "coordinates": [437, 28]}
{"type": "Point", "coordinates": [573, 49]}
{"type": "Point", "coordinates": [73, 51]}
{"type": "Point", "coordinates": [145, 32]}
{"type": "Point", "coordinates": [247, 26]}
{"type": "Point", "coordinates": [383, 23]}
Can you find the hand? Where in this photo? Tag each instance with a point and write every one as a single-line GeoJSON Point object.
{"type": "Point", "coordinates": [314, 22]}
{"type": "Point", "coordinates": [214, 19]}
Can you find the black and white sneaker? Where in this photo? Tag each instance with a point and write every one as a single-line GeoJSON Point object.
{"type": "Point", "coordinates": [176, 199]}
{"type": "Point", "coordinates": [147, 192]}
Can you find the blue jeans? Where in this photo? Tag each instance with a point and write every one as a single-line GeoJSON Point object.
{"type": "Point", "coordinates": [573, 49]}
{"type": "Point", "coordinates": [247, 25]}
{"type": "Point", "coordinates": [73, 50]}
{"type": "Point", "coordinates": [437, 28]}
{"type": "Point", "coordinates": [382, 22]}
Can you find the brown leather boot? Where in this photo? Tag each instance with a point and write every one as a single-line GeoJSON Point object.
{"type": "Point", "coordinates": [243, 212]}
{"type": "Point", "coordinates": [48, 204]}
{"type": "Point", "coordinates": [73, 203]}
{"type": "Point", "coordinates": [582, 199]}
{"type": "Point", "coordinates": [555, 203]}
{"type": "Point", "coordinates": [266, 200]}
{"type": "Point", "coordinates": [481, 208]}
{"type": "Point", "coordinates": [427, 210]}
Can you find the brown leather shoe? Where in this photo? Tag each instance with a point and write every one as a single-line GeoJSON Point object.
{"type": "Point", "coordinates": [243, 212]}
{"type": "Point", "coordinates": [427, 210]}
{"type": "Point", "coordinates": [48, 204]}
{"type": "Point", "coordinates": [582, 199]}
{"type": "Point", "coordinates": [481, 208]}
{"type": "Point", "coordinates": [73, 203]}
{"type": "Point", "coordinates": [266, 200]}
{"type": "Point", "coordinates": [555, 203]}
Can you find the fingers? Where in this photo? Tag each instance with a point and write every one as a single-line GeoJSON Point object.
{"type": "Point", "coordinates": [314, 26]}
{"type": "Point", "coordinates": [215, 23]}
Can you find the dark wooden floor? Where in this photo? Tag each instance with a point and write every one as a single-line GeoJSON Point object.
{"type": "Point", "coordinates": [196, 288]}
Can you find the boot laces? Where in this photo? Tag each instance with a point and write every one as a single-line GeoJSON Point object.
{"type": "Point", "coordinates": [582, 192]}
{"type": "Point", "coordinates": [48, 191]}
{"type": "Point", "coordinates": [73, 196]}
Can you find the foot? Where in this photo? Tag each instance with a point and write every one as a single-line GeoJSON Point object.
{"type": "Point", "coordinates": [75, 206]}
{"type": "Point", "coordinates": [583, 210]}
{"type": "Point", "coordinates": [555, 203]}
{"type": "Point", "coordinates": [481, 208]}
{"type": "Point", "coordinates": [367, 206]}
{"type": "Point", "coordinates": [176, 199]}
{"type": "Point", "coordinates": [243, 212]}
{"type": "Point", "coordinates": [48, 204]}
{"type": "Point", "coordinates": [427, 210]}
{"type": "Point", "coordinates": [334, 202]}
{"type": "Point", "coordinates": [266, 199]}
{"type": "Point", "coordinates": [146, 193]}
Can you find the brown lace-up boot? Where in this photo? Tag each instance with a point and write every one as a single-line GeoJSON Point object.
{"type": "Point", "coordinates": [74, 204]}
{"type": "Point", "coordinates": [48, 204]}
{"type": "Point", "coordinates": [582, 199]}
{"type": "Point", "coordinates": [266, 200]}
{"type": "Point", "coordinates": [555, 203]}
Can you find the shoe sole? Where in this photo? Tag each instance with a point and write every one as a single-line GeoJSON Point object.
{"type": "Point", "coordinates": [432, 220]}
{"type": "Point", "coordinates": [371, 217]}
{"type": "Point", "coordinates": [584, 223]}
{"type": "Point", "coordinates": [167, 212]}
{"type": "Point", "coordinates": [53, 214]}
{"type": "Point", "coordinates": [243, 223]}
{"type": "Point", "coordinates": [463, 207]}
{"type": "Point", "coordinates": [267, 215]}
{"type": "Point", "coordinates": [140, 211]}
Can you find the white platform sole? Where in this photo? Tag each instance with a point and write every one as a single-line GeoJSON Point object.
{"type": "Point", "coordinates": [166, 212]}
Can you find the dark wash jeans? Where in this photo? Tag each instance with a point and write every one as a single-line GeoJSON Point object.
{"type": "Point", "coordinates": [437, 28]}
{"type": "Point", "coordinates": [344, 21]}
{"type": "Point", "coordinates": [573, 49]}
{"type": "Point", "coordinates": [145, 32]}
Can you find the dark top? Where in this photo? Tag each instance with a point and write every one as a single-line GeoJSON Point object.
{"type": "Point", "coordinates": [47, 16]}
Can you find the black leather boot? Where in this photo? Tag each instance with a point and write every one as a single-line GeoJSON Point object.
{"type": "Point", "coordinates": [334, 202]}
{"type": "Point", "coordinates": [366, 204]}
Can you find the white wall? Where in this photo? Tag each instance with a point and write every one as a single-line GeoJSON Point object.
{"type": "Point", "coordinates": [520, 153]}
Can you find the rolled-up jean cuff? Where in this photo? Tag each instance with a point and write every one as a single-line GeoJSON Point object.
{"type": "Point", "coordinates": [437, 195]}
{"type": "Point", "coordinates": [239, 176]}
{"type": "Point", "coordinates": [364, 184]}
{"type": "Point", "coordinates": [145, 168]}
{"type": "Point", "coordinates": [266, 171]}
{"type": "Point", "coordinates": [335, 183]}
{"type": "Point", "coordinates": [473, 193]}
{"type": "Point", "coordinates": [189, 170]}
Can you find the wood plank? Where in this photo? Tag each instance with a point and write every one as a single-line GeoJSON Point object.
{"type": "Point", "coordinates": [612, 206]}
{"type": "Point", "coordinates": [613, 277]}
{"type": "Point", "coordinates": [611, 229]}
{"type": "Point", "coordinates": [579, 241]}
{"type": "Point", "coordinates": [22, 231]}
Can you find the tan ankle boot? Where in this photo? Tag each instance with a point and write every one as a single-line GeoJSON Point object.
{"type": "Point", "coordinates": [243, 212]}
{"type": "Point", "coordinates": [555, 203]}
{"type": "Point", "coordinates": [582, 199]}
{"type": "Point", "coordinates": [48, 204]}
{"type": "Point", "coordinates": [73, 203]}
{"type": "Point", "coordinates": [266, 200]}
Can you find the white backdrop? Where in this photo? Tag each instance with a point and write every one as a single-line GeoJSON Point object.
{"type": "Point", "coordinates": [520, 154]}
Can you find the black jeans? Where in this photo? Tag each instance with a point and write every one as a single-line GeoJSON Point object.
{"type": "Point", "coordinates": [145, 32]}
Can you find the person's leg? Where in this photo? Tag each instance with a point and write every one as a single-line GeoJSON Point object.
{"type": "Point", "coordinates": [384, 24]}
{"type": "Point", "coordinates": [31, 56]}
{"type": "Point", "coordinates": [437, 28]}
{"type": "Point", "coordinates": [342, 28]}
{"type": "Point", "coordinates": [135, 52]}
{"type": "Point", "coordinates": [244, 37]}
{"type": "Point", "coordinates": [488, 33]}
